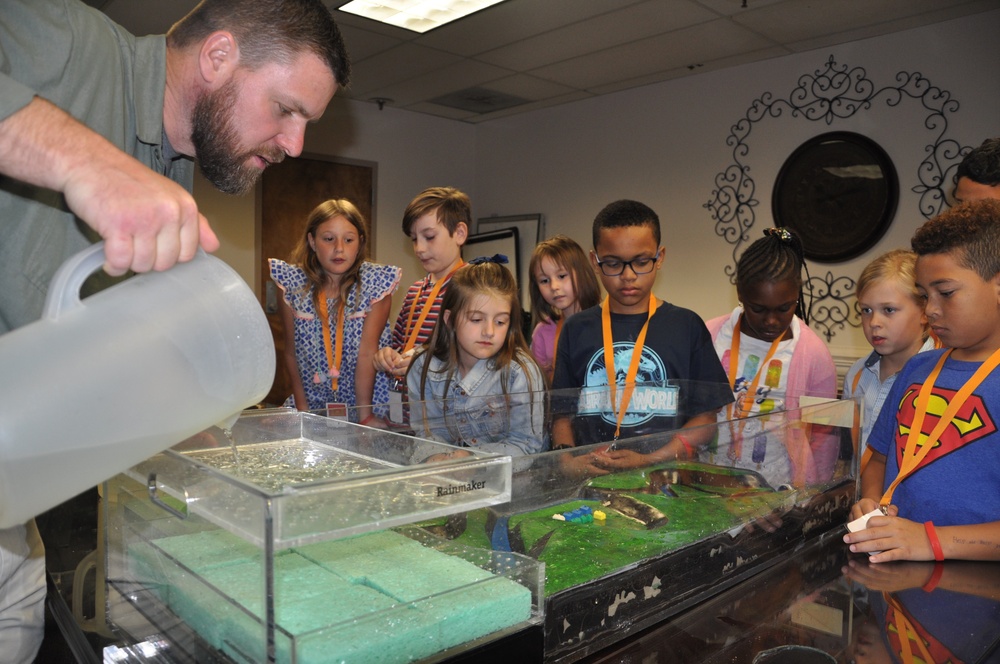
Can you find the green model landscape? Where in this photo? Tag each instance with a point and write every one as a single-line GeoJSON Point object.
{"type": "Point", "coordinates": [649, 512]}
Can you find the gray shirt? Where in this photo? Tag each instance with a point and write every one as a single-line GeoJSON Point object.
{"type": "Point", "coordinates": [112, 81]}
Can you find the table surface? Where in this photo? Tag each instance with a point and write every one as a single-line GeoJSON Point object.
{"type": "Point", "coordinates": [820, 604]}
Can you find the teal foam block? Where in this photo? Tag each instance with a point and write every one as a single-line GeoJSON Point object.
{"type": "Point", "coordinates": [208, 549]}
{"type": "Point", "coordinates": [349, 600]}
{"type": "Point", "coordinates": [387, 637]}
{"type": "Point", "coordinates": [468, 613]}
{"type": "Point", "coordinates": [436, 572]}
{"type": "Point", "coordinates": [308, 598]}
{"type": "Point", "coordinates": [354, 558]}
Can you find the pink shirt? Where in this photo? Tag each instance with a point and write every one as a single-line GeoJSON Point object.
{"type": "Point", "coordinates": [543, 340]}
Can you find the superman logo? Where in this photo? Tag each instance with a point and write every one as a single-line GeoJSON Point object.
{"type": "Point", "coordinates": [970, 423]}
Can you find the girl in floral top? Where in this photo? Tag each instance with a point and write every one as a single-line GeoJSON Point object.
{"type": "Point", "coordinates": [335, 313]}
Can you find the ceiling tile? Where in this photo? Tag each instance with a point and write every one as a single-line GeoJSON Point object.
{"type": "Point", "coordinates": [553, 101]}
{"type": "Point", "coordinates": [719, 38]}
{"type": "Point", "coordinates": [907, 23]}
{"type": "Point", "coordinates": [362, 44]}
{"type": "Point", "coordinates": [457, 76]}
{"type": "Point", "coordinates": [680, 72]}
{"type": "Point", "coordinates": [796, 21]}
{"type": "Point", "coordinates": [513, 21]}
{"type": "Point", "coordinates": [397, 64]}
{"type": "Point", "coordinates": [529, 87]}
{"type": "Point", "coordinates": [618, 27]}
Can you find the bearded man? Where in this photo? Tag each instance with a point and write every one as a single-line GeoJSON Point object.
{"type": "Point", "coordinates": [99, 133]}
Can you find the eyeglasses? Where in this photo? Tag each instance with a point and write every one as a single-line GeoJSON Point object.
{"type": "Point", "coordinates": [613, 267]}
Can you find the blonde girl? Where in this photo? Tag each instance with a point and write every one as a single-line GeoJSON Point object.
{"type": "Point", "coordinates": [892, 317]}
{"type": "Point", "coordinates": [476, 382]}
{"type": "Point", "coordinates": [562, 283]}
{"type": "Point", "coordinates": [335, 313]}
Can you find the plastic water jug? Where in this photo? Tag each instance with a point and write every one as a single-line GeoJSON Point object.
{"type": "Point", "coordinates": [100, 384]}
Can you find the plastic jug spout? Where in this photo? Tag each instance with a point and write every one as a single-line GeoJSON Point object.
{"type": "Point", "coordinates": [228, 423]}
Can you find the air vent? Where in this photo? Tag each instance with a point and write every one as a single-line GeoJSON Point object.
{"type": "Point", "coordinates": [479, 100]}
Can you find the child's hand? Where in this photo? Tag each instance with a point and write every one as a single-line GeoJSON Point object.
{"type": "Point", "coordinates": [385, 359]}
{"type": "Point", "coordinates": [893, 537]}
{"type": "Point", "coordinates": [403, 362]}
{"type": "Point", "coordinates": [862, 507]}
{"type": "Point", "coordinates": [580, 465]}
{"type": "Point", "coordinates": [620, 459]}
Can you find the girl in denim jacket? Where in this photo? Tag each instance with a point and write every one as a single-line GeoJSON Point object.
{"type": "Point", "coordinates": [476, 384]}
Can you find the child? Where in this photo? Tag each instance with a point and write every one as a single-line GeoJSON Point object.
{"type": "Point", "coordinates": [437, 221]}
{"type": "Point", "coordinates": [647, 345]}
{"type": "Point", "coordinates": [892, 317]}
{"type": "Point", "coordinates": [562, 283]}
{"type": "Point", "coordinates": [476, 380]}
{"type": "Point", "coordinates": [335, 313]}
{"type": "Point", "coordinates": [935, 464]}
{"type": "Point", "coordinates": [795, 362]}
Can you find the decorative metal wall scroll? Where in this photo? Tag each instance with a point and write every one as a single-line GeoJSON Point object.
{"type": "Point", "coordinates": [832, 93]}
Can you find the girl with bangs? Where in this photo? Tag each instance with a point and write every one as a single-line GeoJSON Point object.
{"type": "Point", "coordinates": [562, 283]}
{"type": "Point", "coordinates": [476, 384]}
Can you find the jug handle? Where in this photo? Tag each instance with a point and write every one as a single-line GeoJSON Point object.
{"type": "Point", "coordinates": [64, 291]}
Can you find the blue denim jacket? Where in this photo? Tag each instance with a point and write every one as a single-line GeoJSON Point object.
{"type": "Point", "coordinates": [475, 412]}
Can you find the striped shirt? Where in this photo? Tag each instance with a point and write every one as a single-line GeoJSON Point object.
{"type": "Point", "coordinates": [418, 292]}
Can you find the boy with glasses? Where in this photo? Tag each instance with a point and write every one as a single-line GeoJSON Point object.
{"type": "Point", "coordinates": [627, 354]}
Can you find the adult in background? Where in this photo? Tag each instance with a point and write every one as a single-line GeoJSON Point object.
{"type": "Point", "coordinates": [978, 175]}
{"type": "Point", "coordinates": [99, 130]}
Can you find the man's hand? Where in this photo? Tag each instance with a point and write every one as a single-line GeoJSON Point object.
{"type": "Point", "coordinates": [148, 222]}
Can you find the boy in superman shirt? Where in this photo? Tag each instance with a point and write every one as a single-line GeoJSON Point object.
{"type": "Point", "coordinates": [939, 483]}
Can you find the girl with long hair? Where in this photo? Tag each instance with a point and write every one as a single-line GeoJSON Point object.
{"type": "Point", "coordinates": [335, 313]}
{"type": "Point", "coordinates": [476, 384]}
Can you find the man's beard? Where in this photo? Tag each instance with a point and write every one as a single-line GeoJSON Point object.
{"type": "Point", "coordinates": [217, 145]}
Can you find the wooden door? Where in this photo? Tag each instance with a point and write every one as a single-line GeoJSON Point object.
{"type": "Point", "coordinates": [289, 192]}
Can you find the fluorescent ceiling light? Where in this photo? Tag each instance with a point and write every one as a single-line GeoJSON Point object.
{"type": "Point", "coordinates": [416, 15]}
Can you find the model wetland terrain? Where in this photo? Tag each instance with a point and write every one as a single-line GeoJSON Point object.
{"type": "Point", "coordinates": [647, 513]}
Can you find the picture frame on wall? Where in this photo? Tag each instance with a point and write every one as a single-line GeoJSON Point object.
{"type": "Point", "coordinates": [529, 227]}
{"type": "Point", "coordinates": [504, 241]}
{"type": "Point", "coordinates": [529, 230]}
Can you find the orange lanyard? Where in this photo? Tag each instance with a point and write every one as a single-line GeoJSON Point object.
{"type": "Point", "coordinates": [411, 333]}
{"type": "Point", "coordinates": [912, 456]}
{"type": "Point", "coordinates": [333, 355]}
{"type": "Point", "coordinates": [734, 362]}
{"type": "Point", "coordinates": [609, 359]}
{"type": "Point", "coordinates": [907, 633]}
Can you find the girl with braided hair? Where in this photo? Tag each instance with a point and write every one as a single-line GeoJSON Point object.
{"type": "Point", "coordinates": [772, 357]}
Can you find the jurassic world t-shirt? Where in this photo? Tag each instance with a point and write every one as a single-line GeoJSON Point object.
{"type": "Point", "coordinates": [679, 373]}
